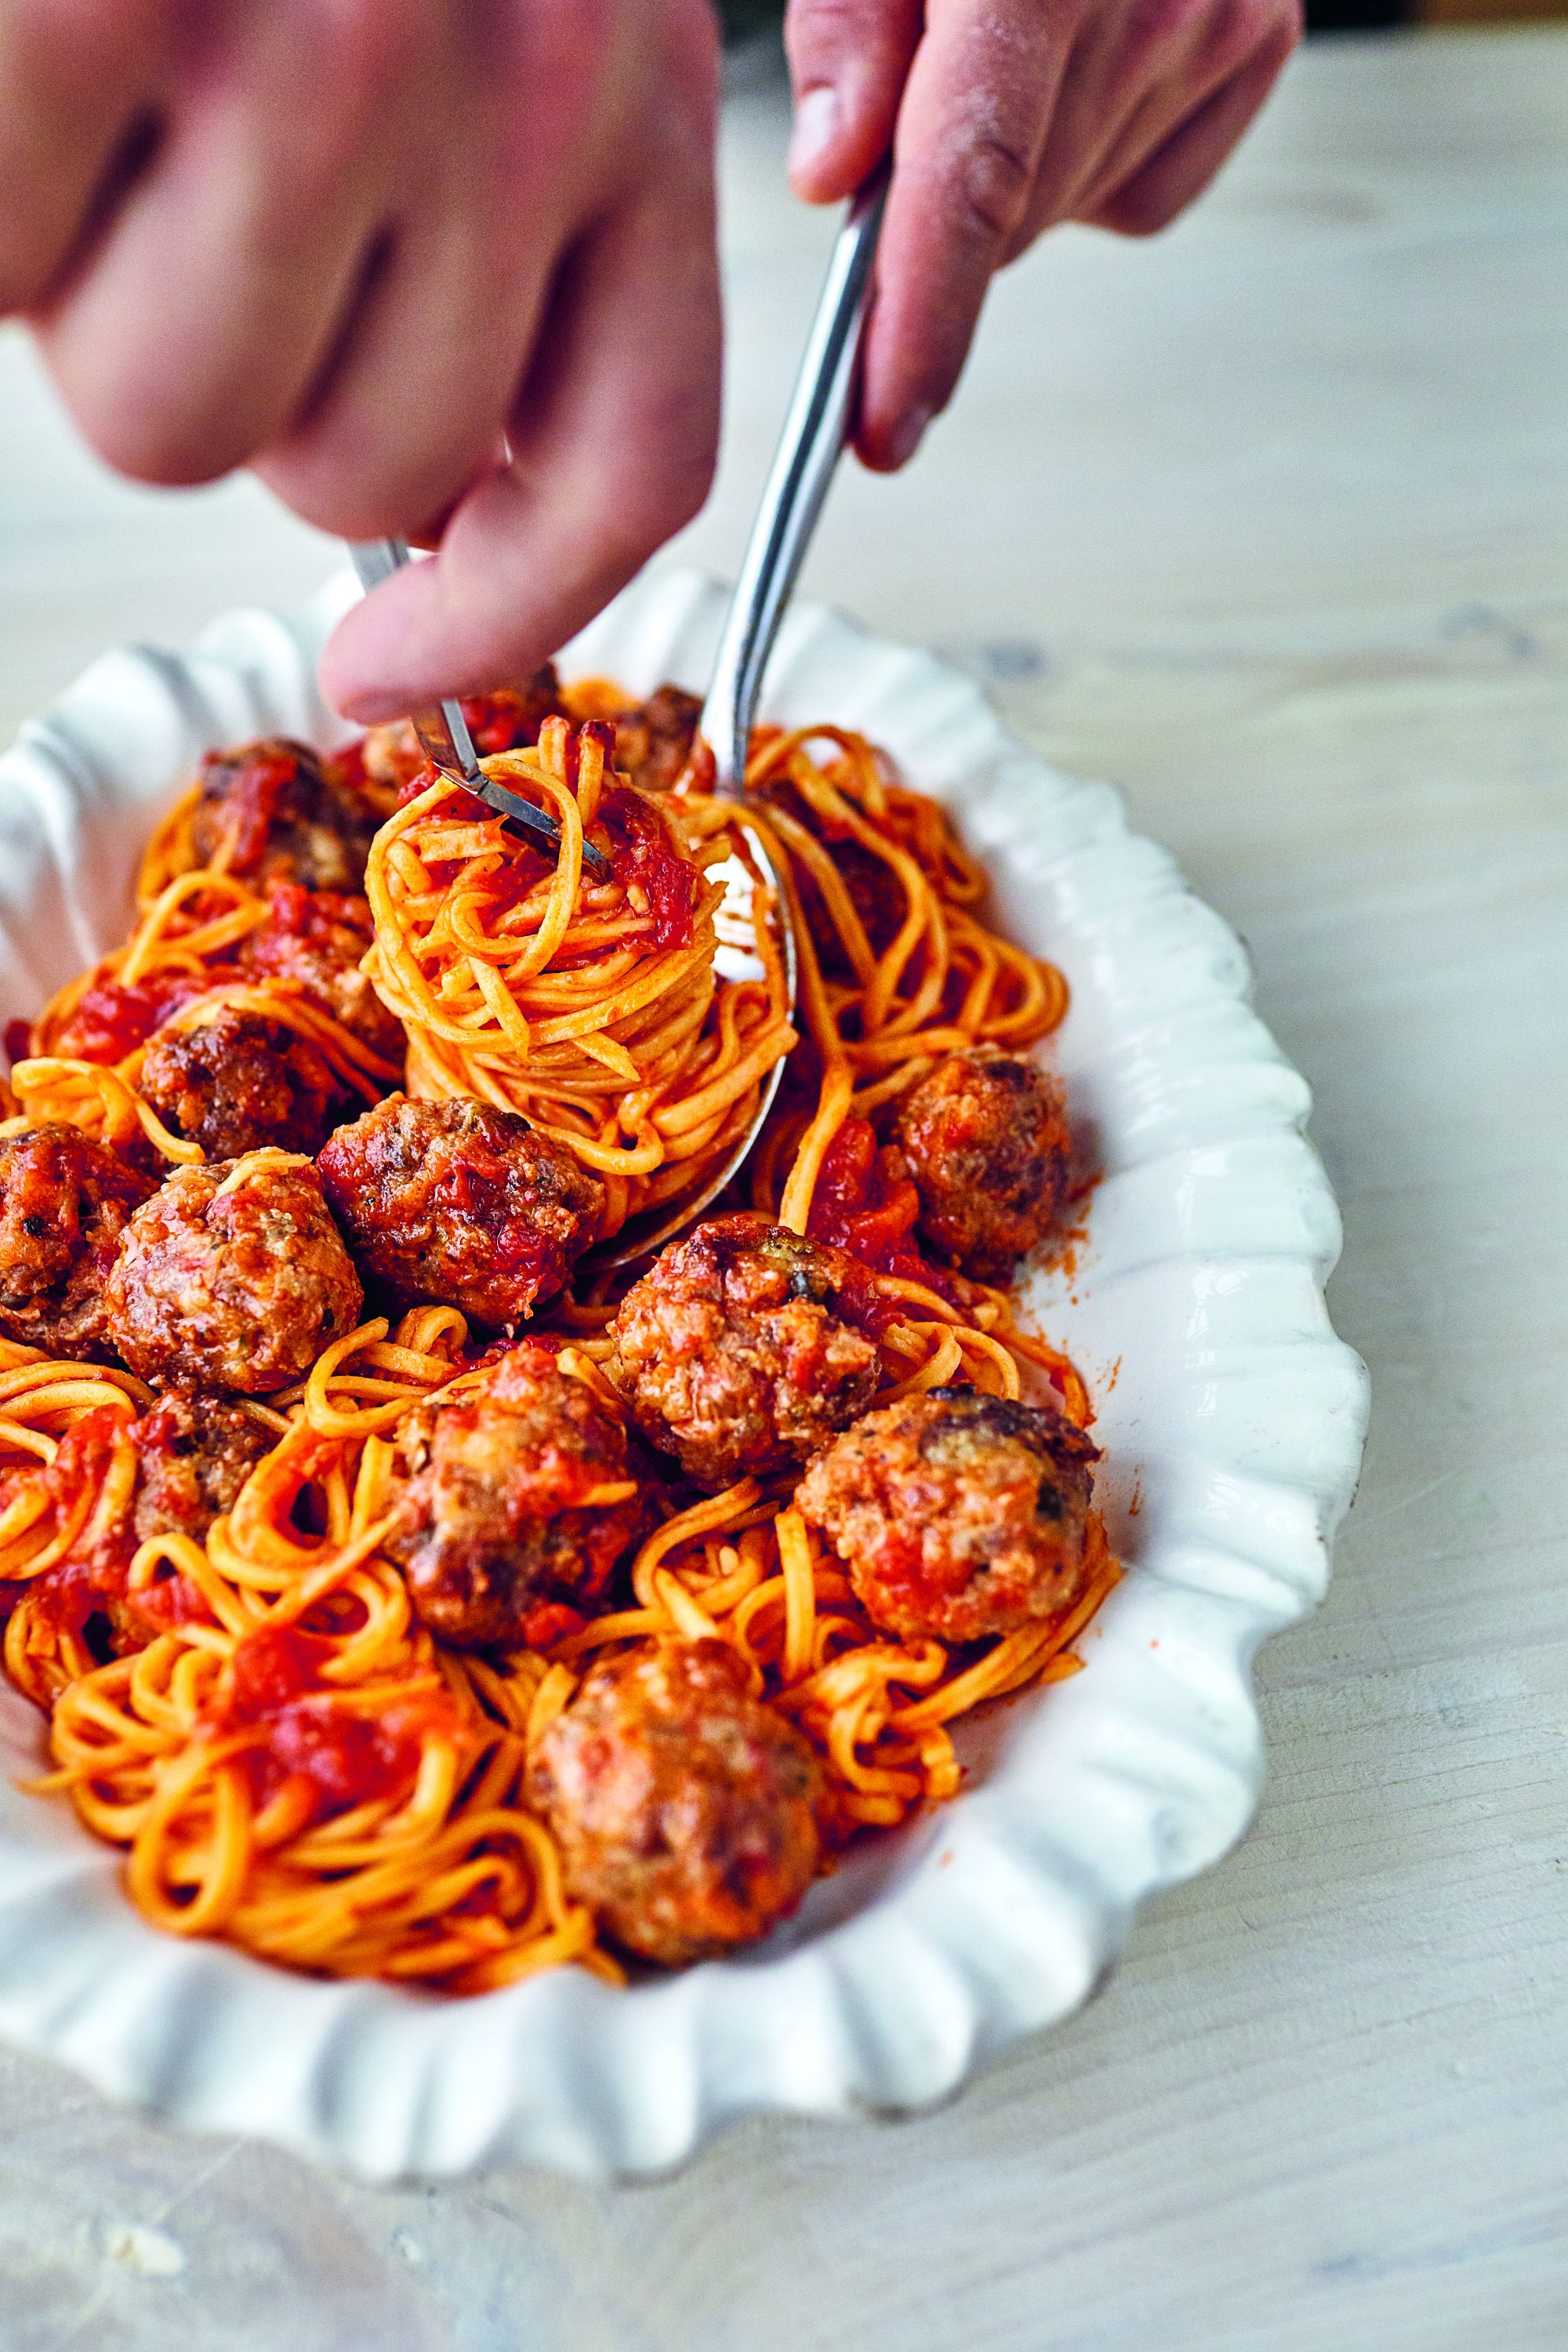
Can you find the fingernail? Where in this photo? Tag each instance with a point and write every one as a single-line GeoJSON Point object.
{"type": "Point", "coordinates": [818, 115]}
{"type": "Point", "coordinates": [908, 434]}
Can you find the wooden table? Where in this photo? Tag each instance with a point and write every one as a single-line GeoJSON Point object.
{"type": "Point", "coordinates": [1269, 521]}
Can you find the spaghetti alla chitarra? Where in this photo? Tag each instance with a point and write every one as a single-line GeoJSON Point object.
{"type": "Point", "coordinates": [401, 1636]}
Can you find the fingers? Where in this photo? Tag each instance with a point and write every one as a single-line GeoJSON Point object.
{"type": "Point", "coordinates": [614, 443]}
{"type": "Point", "coordinates": [970, 136]}
{"type": "Point", "coordinates": [1164, 184]}
{"type": "Point", "coordinates": [411, 411]}
{"type": "Point", "coordinates": [1133, 76]}
{"type": "Point", "coordinates": [76, 78]}
{"type": "Point", "coordinates": [849, 60]}
{"type": "Point", "coordinates": [217, 293]}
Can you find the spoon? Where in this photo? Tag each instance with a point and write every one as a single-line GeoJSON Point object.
{"type": "Point", "coordinates": [809, 447]}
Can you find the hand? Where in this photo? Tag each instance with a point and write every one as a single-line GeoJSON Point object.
{"type": "Point", "coordinates": [354, 243]}
{"type": "Point", "coordinates": [1005, 116]}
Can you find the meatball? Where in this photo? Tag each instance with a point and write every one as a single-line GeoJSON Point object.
{"type": "Point", "coordinates": [732, 1356]}
{"type": "Point", "coordinates": [197, 1452]}
{"type": "Point", "coordinates": [653, 739]}
{"type": "Point", "coordinates": [958, 1515]}
{"type": "Point", "coordinates": [232, 1276]}
{"type": "Point", "coordinates": [509, 719]}
{"type": "Point", "coordinates": [498, 1520]}
{"type": "Point", "coordinates": [317, 940]}
{"type": "Point", "coordinates": [461, 1203]}
{"type": "Point", "coordinates": [237, 1082]}
{"type": "Point", "coordinates": [683, 1807]}
{"type": "Point", "coordinates": [985, 1139]}
{"type": "Point", "coordinates": [64, 1202]}
{"type": "Point", "coordinates": [506, 720]}
{"type": "Point", "coordinates": [873, 887]}
{"type": "Point", "coordinates": [272, 807]}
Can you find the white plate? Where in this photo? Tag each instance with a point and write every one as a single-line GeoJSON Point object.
{"type": "Point", "coordinates": [1231, 1416]}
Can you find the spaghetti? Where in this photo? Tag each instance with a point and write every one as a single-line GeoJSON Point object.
{"type": "Point", "coordinates": [592, 1007]}
{"type": "Point", "coordinates": [257, 1715]}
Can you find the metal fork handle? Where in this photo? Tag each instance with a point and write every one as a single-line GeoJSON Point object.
{"type": "Point", "coordinates": [808, 451]}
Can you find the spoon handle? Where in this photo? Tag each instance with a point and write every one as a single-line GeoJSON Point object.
{"type": "Point", "coordinates": [803, 468]}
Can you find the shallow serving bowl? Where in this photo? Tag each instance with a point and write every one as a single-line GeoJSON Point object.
{"type": "Point", "coordinates": [1231, 1416]}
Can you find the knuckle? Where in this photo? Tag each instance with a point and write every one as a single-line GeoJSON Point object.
{"type": "Point", "coordinates": [989, 184]}
{"type": "Point", "coordinates": [650, 504]}
{"type": "Point", "coordinates": [148, 440]}
{"type": "Point", "coordinates": [371, 47]}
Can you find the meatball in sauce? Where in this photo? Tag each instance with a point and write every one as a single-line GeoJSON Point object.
{"type": "Point", "coordinates": [232, 1276]}
{"type": "Point", "coordinates": [653, 739]}
{"type": "Point", "coordinates": [197, 1452]}
{"type": "Point", "coordinates": [506, 720]}
{"type": "Point", "coordinates": [985, 1139]}
{"type": "Point", "coordinates": [462, 1205]}
{"type": "Point", "coordinates": [683, 1807]}
{"type": "Point", "coordinates": [273, 814]}
{"type": "Point", "coordinates": [734, 1353]}
{"type": "Point", "coordinates": [957, 1515]}
{"type": "Point", "coordinates": [236, 1082]}
{"type": "Point", "coordinates": [520, 1502]}
{"type": "Point", "coordinates": [65, 1200]}
{"type": "Point", "coordinates": [316, 940]}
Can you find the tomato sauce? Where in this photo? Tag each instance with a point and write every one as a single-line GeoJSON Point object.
{"type": "Point", "coordinates": [551, 1620]}
{"type": "Point", "coordinates": [864, 1204]}
{"type": "Point", "coordinates": [318, 917]}
{"type": "Point", "coordinates": [347, 1758]}
{"type": "Point", "coordinates": [641, 853]}
{"type": "Point", "coordinates": [109, 1020]}
{"type": "Point", "coordinates": [86, 1579]}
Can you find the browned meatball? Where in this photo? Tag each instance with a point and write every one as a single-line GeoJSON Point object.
{"type": "Point", "coordinates": [500, 1516]}
{"type": "Point", "coordinates": [197, 1452]}
{"type": "Point", "coordinates": [732, 1354]}
{"type": "Point", "coordinates": [958, 1515]}
{"type": "Point", "coordinates": [684, 1807]}
{"type": "Point", "coordinates": [985, 1139]}
{"type": "Point", "coordinates": [275, 811]}
{"type": "Point", "coordinates": [506, 720]}
{"type": "Point", "coordinates": [873, 887]}
{"type": "Point", "coordinates": [236, 1082]}
{"type": "Point", "coordinates": [317, 940]}
{"type": "Point", "coordinates": [233, 1276]}
{"type": "Point", "coordinates": [653, 739]}
{"type": "Point", "coordinates": [460, 1203]}
{"type": "Point", "coordinates": [64, 1202]}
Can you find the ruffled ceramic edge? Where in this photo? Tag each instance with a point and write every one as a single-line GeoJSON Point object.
{"type": "Point", "coordinates": [1006, 1910]}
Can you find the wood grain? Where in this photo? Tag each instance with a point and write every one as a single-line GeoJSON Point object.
{"type": "Point", "coordinates": [1267, 521]}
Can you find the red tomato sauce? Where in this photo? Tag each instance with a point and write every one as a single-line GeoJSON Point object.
{"type": "Point", "coordinates": [347, 1758]}
{"type": "Point", "coordinates": [86, 1579]}
{"type": "Point", "coordinates": [319, 916]}
{"type": "Point", "coordinates": [640, 852]}
{"type": "Point", "coordinates": [864, 1205]}
{"type": "Point", "coordinates": [109, 1020]}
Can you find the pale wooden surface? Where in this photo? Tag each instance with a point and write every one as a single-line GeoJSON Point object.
{"type": "Point", "coordinates": [1270, 521]}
